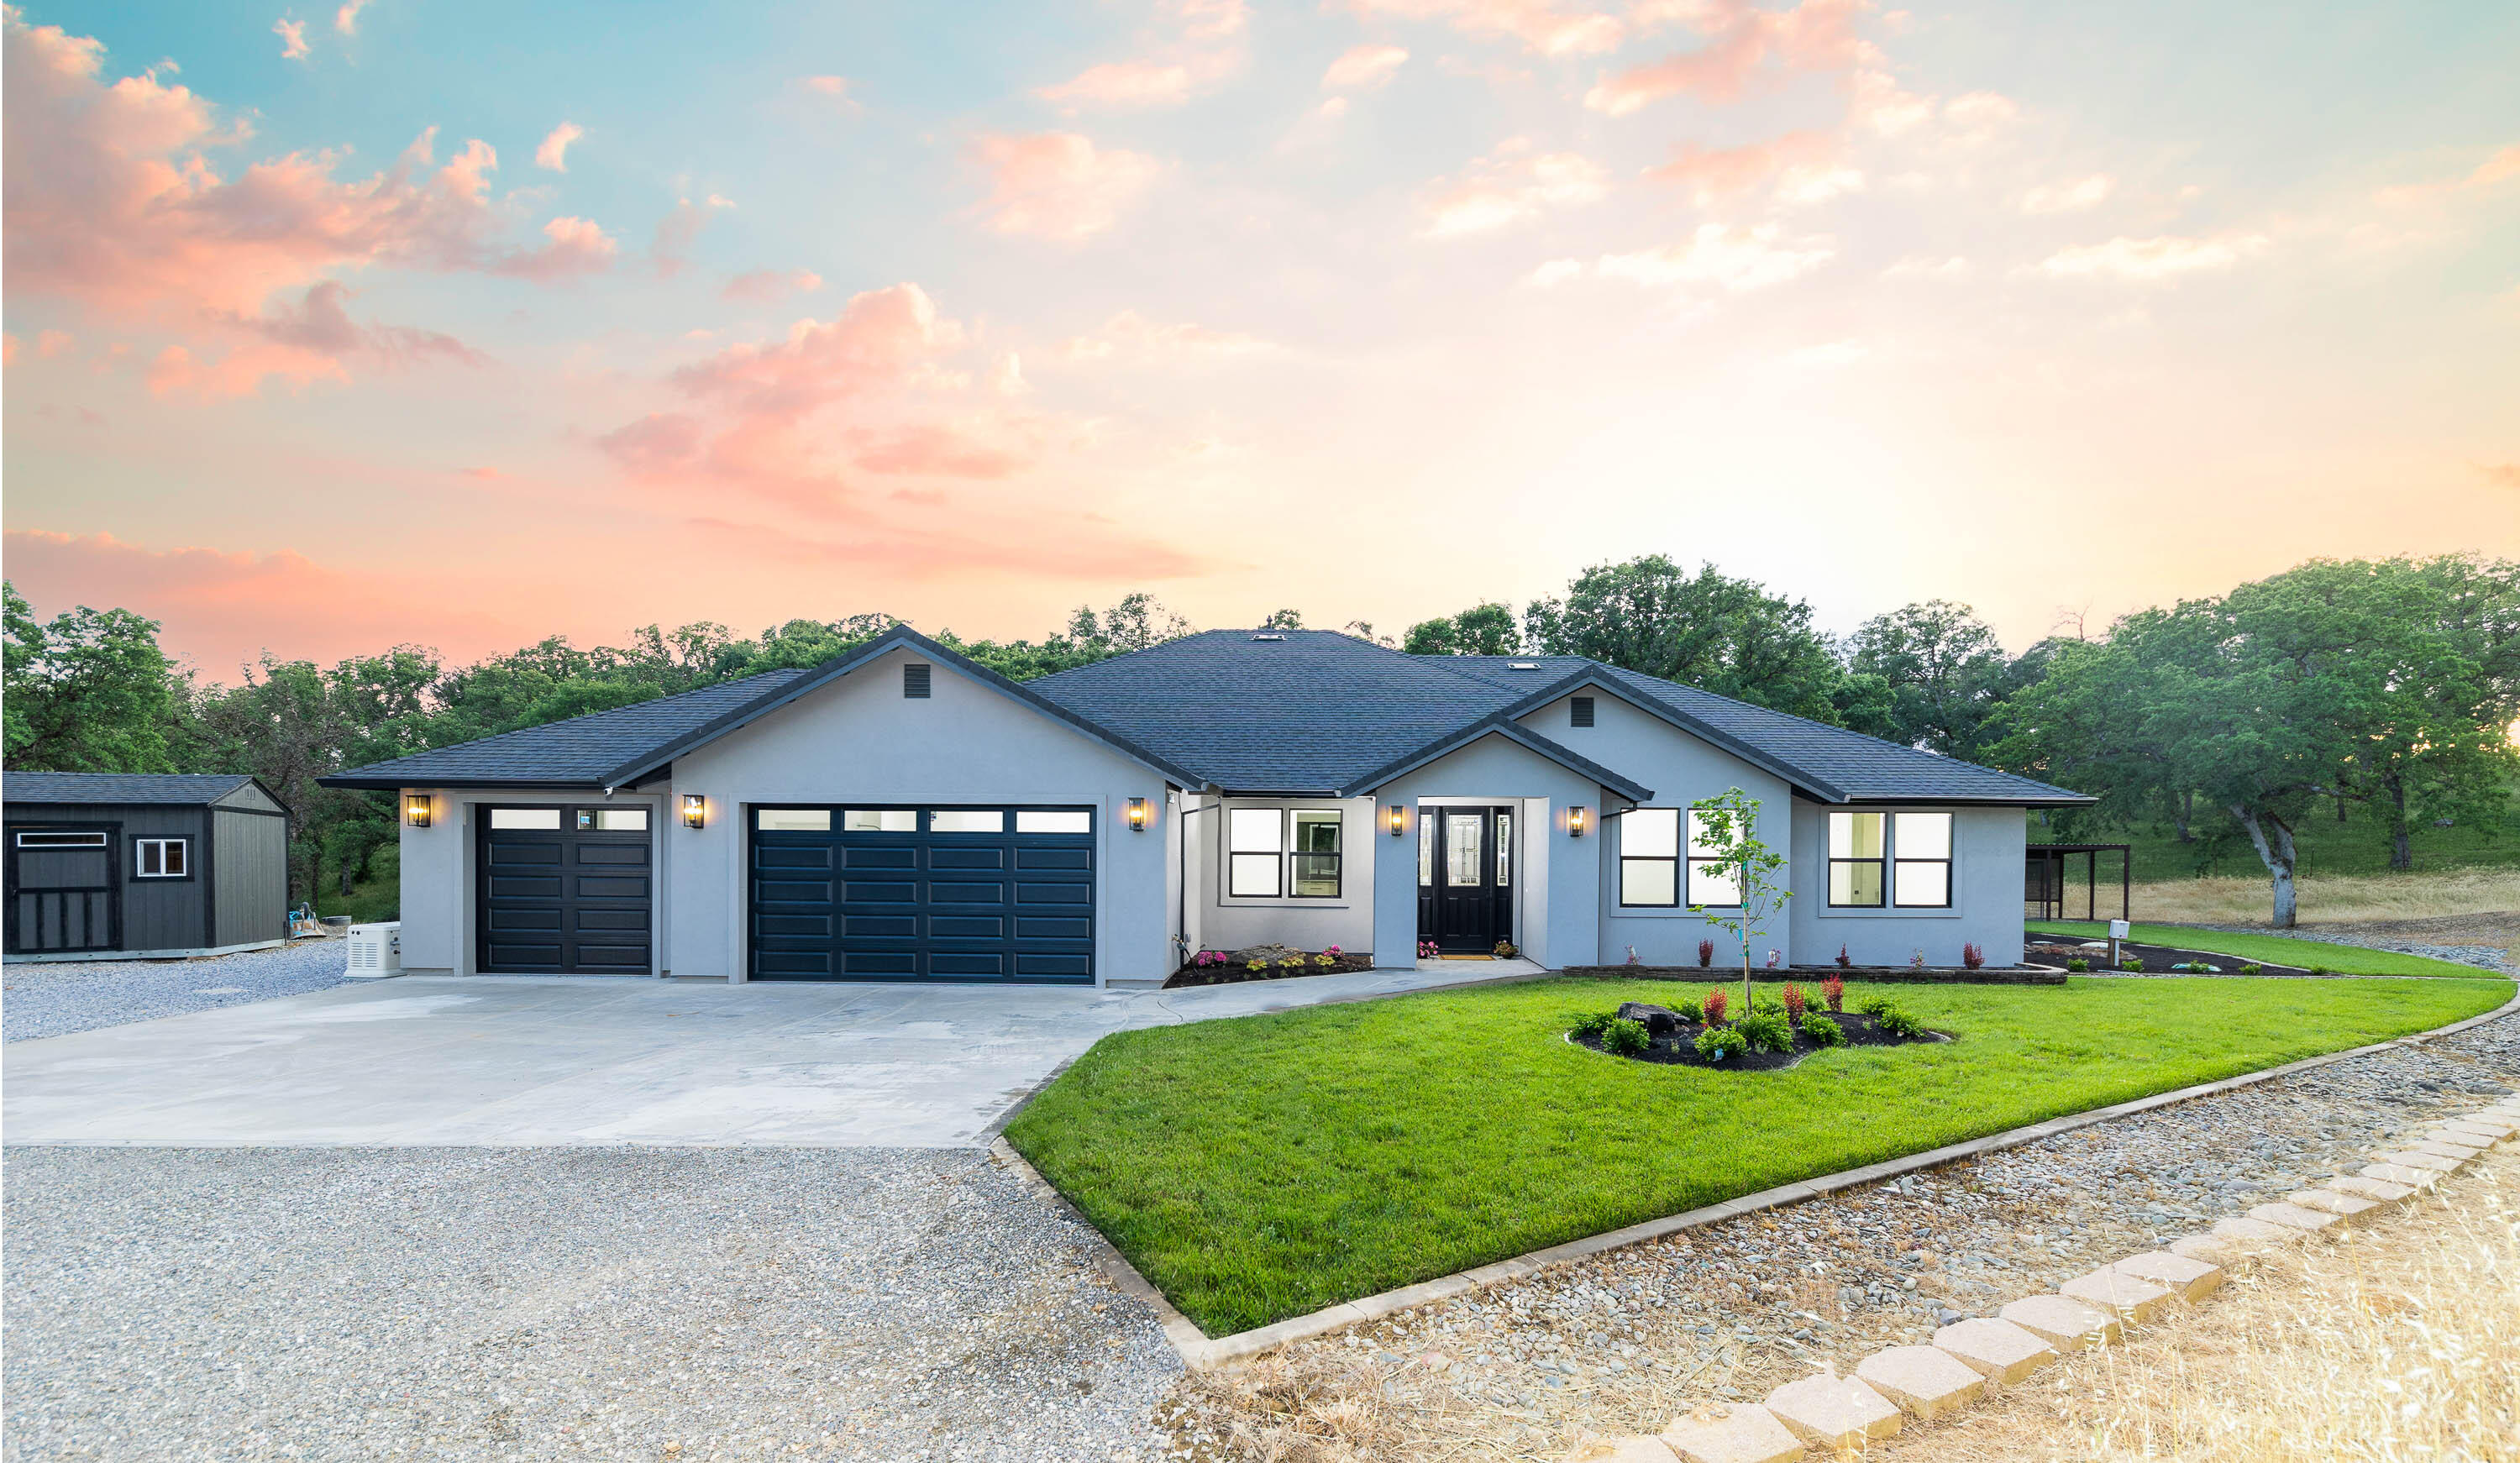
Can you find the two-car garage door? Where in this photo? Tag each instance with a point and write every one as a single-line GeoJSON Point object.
{"type": "Point", "coordinates": [922, 894]}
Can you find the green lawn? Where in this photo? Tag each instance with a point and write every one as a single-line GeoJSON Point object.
{"type": "Point", "coordinates": [1261, 1168]}
{"type": "Point", "coordinates": [2283, 949]}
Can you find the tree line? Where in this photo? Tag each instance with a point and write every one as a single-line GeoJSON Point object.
{"type": "Point", "coordinates": [2389, 684]}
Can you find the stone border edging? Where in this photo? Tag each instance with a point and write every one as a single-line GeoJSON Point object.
{"type": "Point", "coordinates": [1200, 1351]}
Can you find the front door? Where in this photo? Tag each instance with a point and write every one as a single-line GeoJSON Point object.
{"type": "Point", "coordinates": [1465, 878]}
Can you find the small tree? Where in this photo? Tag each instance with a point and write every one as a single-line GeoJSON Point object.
{"type": "Point", "coordinates": [1727, 835]}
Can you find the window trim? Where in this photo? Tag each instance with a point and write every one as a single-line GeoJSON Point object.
{"type": "Point", "coordinates": [1828, 844]}
{"type": "Point", "coordinates": [1687, 840]}
{"type": "Point", "coordinates": [1285, 856]}
{"type": "Point", "coordinates": [1951, 847]}
{"type": "Point", "coordinates": [87, 838]}
{"type": "Point", "coordinates": [1337, 856]}
{"type": "Point", "coordinates": [1678, 856]}
{"type": "Point", "coordinates": [1236, 854]}
{"type": "Point", "coordinates": [181, 841]}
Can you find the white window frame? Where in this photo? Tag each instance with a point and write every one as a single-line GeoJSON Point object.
{"type": "Point", "coordinates": [1679, 850]}
{"type": "Point", "coordinates": [1280, 856]}
{"type": "Point", "coordinates": [1891, 859]}
{"type": "Point", "coordinates": [1899, 861]}
{"type": "Point", "coordinates": [1689, 824]}
{"type": "Point", "coordinates": [142, 847]}
{"type": "Point", "coordinates": [1237, 857]}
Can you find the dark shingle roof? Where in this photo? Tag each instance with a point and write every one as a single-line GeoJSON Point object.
{"type": "Point", "coordinates": [187, 789]}
{"type": "Point", "coordinates": [1299, 711]}
{"type": "Point", "coordinates": [579, 751]}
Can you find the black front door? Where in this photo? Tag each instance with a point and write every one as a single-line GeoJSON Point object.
{"type": "Point", "coordinates": [1465, 878]}
{"type": "Point", "coordinates": [564, 891]}
{"type": "Point", "coordinates": [63, 895]}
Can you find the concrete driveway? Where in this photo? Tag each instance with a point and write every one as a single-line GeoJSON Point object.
{"type": "Point", "coordinates": [528, 1061]}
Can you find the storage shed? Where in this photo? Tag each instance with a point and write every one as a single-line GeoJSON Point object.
{"type": "Point", "coordinates": [111, 865]}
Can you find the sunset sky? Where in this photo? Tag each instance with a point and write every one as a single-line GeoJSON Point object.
{"type": "Point", "coordinates": [332, 326]}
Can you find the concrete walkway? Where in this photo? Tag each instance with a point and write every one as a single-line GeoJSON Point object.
{"type": "Point", "coordinates": [546, 1061]}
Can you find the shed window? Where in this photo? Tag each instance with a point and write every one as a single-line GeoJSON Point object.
{"type": "Point", "coordinates": [161, 859]}
{"type": "Point", "coordinates": [1650, 856]}
{"type": "Point", "coordinates": [1920, 855]}
{"type": "Point", "coordinates": [1317, 853]}
{"type": "Point", "coordinates": [92, 839]}
{"type": "Point", "coordinates": [1254, 846]}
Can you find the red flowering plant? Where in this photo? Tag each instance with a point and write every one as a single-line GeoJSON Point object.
{"type": "Point", "coordinates": [1974, 956]}
{"type": "Point", "coordinates": [1844, 961]}
{"type": "Point", "coordinates": [1794, 1003]}
{"type": "Point", "coordinates": [1712, 1008]}
{"type": "Point", "coordinates": [1705, 954]}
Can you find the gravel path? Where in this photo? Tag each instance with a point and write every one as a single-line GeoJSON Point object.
{"type": "Point", "coordinates": [676, 1304]}
{"type": "Point", "coordinates": [56, 998]}
{"type": "Point", "coordinates": [1625, 1341]}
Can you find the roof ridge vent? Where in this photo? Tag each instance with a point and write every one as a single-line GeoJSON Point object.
{"type": "Point", "coordinates": [1522, 665]}
{"type": "Point", "coordinates": [1268, 634]}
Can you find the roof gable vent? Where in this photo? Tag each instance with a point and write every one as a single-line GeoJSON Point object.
{"type": "Point", "coordinates": [1267, 636]}
{"type": "Point", "coordinates": [915, 677]}
{"type": "Point", "coordinates": [1578, 711]}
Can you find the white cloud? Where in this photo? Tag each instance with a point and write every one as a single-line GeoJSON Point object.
{"type": "Point", "coordinates": [1511, 187]}
{"type": "Point", "coordinates": [2147, 259]}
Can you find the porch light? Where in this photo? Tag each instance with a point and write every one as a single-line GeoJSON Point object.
{"type": "Point", "coordinates": [415, 808]}
{"type": "Point", "coordinates": [1578, 818]}
{"type": "Point", "coordinates": [694, 811]}
{"type": "Point", "coordinates": [1136, 814]}
{"type": "Point", "coordinates": [1399, 817]}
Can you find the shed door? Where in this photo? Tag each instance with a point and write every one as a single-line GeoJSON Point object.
{"type": "Point", "coordinates": [63, 896]}
{"type": "Point", "coordinates": [564, 891]}
{"type": "Point", "coordinates": [922, 894]}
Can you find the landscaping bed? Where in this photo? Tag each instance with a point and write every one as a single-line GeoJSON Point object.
{"type": "Point", "coordinates": [2159, 959]}
{"type": "Point", "coordinates": [1930, 975]}
{"type": "Point", "coordinates": [2226, 948]}
{"type": "Point", "coordinates": [1265, 963]}
{"type": "Point", "coordinates": [1672, 1038]}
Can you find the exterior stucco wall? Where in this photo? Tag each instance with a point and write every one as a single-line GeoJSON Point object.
{"type": "Point", "coordinates": [1561, 874]}
{"type": "Point", "coordinates": [859, 739]}
{"type": "Point", "coordinates": [1986, 894]}
{"type": "Point", "coordinates": [1681, 768]}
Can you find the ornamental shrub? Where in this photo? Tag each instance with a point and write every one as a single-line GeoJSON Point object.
{"type": "Point", "coordinates": [1712, 1008]}
{"type": "Point", "coordinates": [1595, 1024]}
{"type": "Point", "coordinates": [1716, 1043]}
{"type": "Point", "coordinates": [1895, 1022]}
{"type": "Point", "coordinates": [1833, 989]}
{"type": "Point", "coordinates": [1974, 958]}
{"type": "Point", "coordinates": [1626, 1039]}
{"type": "Point", "coordinates": [1767, 1030]}
{"type": "Point", "coordinates": [1764, 1004]}
{"type": "Point", "coordinates": [1874, 1005]}
{"type": "Point", "coordinates": [1795, 1002]}
{"type": "Point", "coordinates": [2077, 964]}
{"type": "Point", "coordinates": [2252, 967]}
{"type": "Point", "coordinates": [1687, 1011]}
{"type": "Point", "coordinates": [1823, 1032]}
{"type": "Point", "coordinates": [2133, 963]}
{"type": "Point", "coordinates": [1705, 954]}
{"type": "Point", "coordinates": [2321, 970]}
{"type": "Point", "coordinates": [1844, 960]}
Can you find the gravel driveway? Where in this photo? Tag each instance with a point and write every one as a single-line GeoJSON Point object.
{"type": "Point", "coordinates": [682, 1304]}
{"type": "Point", "coordinates": [56, 998]}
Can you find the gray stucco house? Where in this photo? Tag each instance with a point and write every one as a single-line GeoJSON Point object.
{"type": "Point", "coordinates": [105, 865]}
{"type": "Point", "coordinates": [902, 813]}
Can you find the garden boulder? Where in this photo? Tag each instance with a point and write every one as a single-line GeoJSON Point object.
{"type": "Point", "coordinates": [1661, 1021]}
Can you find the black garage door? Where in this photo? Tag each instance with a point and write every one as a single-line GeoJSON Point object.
{"type": "Point", "coordinates": [922, 894]}
{"type": "Point", "coordinates": [564, 891]}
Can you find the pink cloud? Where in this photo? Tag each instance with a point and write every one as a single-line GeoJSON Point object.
{"type": "Point", "coordinates": [1057, 185]}
{"type": "Point", "coordinates": [1364, 67]}
{"type": "Point", "coordinates": [1125, 83]}
{"type": "Point", "coordinates": [932, 450]}
{"type": "Point", "coordinates": [2499, 167]}
{"type": "Point", "coordinates": [1539, 24]}
{"type": "Point", "coordinates": [300, 343]}
{"type": "Point", "coordinates": [51, 343]}
{"type": "Point", "coordinates": [573, 248]}
{"type": "Point", "coordinates": [1509, 187]}
{"type": "Point", "coordinates": [1196, 45]}
{"type": "Point", "coordinates": [766, 284]}
{"type": "Point", "coordinates": [347, 18]}
{"type": "Point", "coordinates": [2151, 260]}
{"type": "Point", "coordinates": [1719, 172]}
{"type": "Point", "coordinates": [554, 151]}
{"type": "Point", "coordinates": [1816, 36]}
{"type": "Point", "coordinates": [1130, 334]}
{"type": "Point", "coordinates": [292, 38]}
{"type": "Point", "coordinates": [1731, 258]}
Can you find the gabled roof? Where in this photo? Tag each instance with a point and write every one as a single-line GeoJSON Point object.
{"type": "Point", "coordinates": [180, 789]}
{"type": "Point", "coordinates": [1308, 712]}
{"type": "Point", "coordinates": [624, 746]}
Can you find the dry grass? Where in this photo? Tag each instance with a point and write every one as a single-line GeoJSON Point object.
{"type": "Point", "coordinates": [2331, 899]}
{"type": "Point", "coordinates": [2397, 1343]}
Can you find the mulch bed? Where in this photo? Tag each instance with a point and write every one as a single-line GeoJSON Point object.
{"type": "Point", "coordinates": [1346, 961]}
{"type": "Point", "coordinates": [2157, 958]}
{"type": "Point", "coordinates": [1677, 1050]}
{"type": "Point", "coordinates": [1813, 975]}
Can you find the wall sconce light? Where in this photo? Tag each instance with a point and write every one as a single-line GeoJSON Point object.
{"type": "Point", "coordinates": [1399, 817]}
{"type": "Point", "coordinates": [415, 808]}
{"type": "Point", "coordinates": [1137, 815]}
{"type": "Point", "coordinates": [1578, 818]}
{"type": "Point", "coordinates": [694, 811]}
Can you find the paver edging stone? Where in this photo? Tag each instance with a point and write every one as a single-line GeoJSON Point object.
{"type": "Point", "coordinates": [1200, 1352]}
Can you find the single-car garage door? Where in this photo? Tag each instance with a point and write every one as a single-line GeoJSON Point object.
{"type": "Point", "coordinates": [564, 891]}
{"type": "Point", "coordinates": [922, 894]}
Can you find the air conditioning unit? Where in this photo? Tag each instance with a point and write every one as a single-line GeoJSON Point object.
{"type": "Point", "coordinates": [376, 950]}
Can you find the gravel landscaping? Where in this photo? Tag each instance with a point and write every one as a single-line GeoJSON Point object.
{"type": "Point", "coordinates": [53, 999]}
{"type": "Point", "coordinates": [1622, 1343]}
{"type": "Point", "coordinates": [683, 1304]}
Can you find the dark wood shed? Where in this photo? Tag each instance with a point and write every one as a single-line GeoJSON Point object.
{"type": "Point", "coordinates": [111, 864]}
